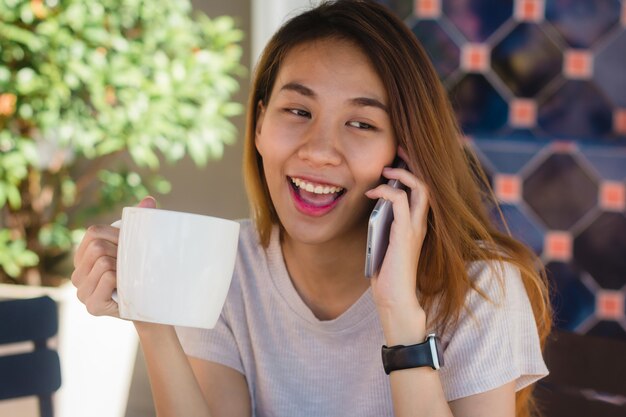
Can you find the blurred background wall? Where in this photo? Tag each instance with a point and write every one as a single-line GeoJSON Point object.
{"type": "Point", "coordinates": [539, 88]}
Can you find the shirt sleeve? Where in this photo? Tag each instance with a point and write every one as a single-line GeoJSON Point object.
{"type": "Point", "coordinates": [496, 339]}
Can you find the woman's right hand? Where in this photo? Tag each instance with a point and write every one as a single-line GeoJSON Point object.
{"type": "Point", "coordinates": [95, 264]}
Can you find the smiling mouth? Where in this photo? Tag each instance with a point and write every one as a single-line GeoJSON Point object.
{"type": "Point", "coordinates": [317, 195]}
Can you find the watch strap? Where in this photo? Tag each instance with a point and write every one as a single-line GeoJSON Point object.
{"type": "Point", "coordinates": [414, 356]}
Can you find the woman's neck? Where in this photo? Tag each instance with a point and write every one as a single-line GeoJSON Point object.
{"type": "Point", "coordinates": [328, 277]}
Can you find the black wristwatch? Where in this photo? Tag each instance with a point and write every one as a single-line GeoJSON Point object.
{"type": "Point", "coordinates": [427, 353]}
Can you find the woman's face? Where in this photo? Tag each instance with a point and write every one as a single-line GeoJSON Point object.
{"type": "Point", "coordinates": [324, 136]}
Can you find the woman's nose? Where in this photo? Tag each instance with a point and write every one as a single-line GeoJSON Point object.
{"type": "Point", "coordinates": [321, 144]}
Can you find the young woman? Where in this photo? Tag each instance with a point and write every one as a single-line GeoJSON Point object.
{"type": "Point", "coordinates": [339, 93]}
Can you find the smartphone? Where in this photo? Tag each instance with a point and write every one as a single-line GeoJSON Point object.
{"type": "Point", "coordinates": [378, 229]}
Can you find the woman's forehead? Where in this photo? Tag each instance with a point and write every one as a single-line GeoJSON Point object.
{"type": "Point", "coordinates": [330, 60]}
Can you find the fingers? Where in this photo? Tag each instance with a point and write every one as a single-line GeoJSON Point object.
{"type": "Point", "coordinates": [398, 197]}
{"type": "Point", "coordinates": [147, 202]}
{"type": "Point", "coordinates": [106, 232]}
{"type": "Point", "coordinates": [414, 201]}
{"type": "Point", "coordinates": [95, 272]}
{"type": "Point", "coordinates": [417, 190]}
{"type": "Point", "coordinates": [86, 285]}
{"type": "Point", "coordinates": [96, 233]}
{"type": "Point", "coordinates": [100, 302]}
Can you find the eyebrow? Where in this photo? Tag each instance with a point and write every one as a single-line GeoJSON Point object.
{"type": "Point", "coordinates": [368, 101]}
{"type": "Point", "coordinates": [359, 101]}
{"type": "Point", "coordinates": [299, 88]}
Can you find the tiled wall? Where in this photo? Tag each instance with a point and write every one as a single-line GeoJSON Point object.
{"type": "Point", "coordinates": [539, 87]}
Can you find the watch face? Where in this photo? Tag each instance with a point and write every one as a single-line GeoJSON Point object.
{"type": "Point", "coordinates": [435, 351]}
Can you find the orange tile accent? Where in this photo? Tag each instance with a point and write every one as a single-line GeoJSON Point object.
{"type": "Point", "coordinates": [558, 246]}
{"type": "Point", "coordinates": [523, 113]}
{"type": "Point", "coordinates": [619, 121]}
{"type": "Point", "coordinates": [508, 188]}
{"type": "Point", "coordinates": [563, 146]}
{"type": "Point", "coordinates": [609, 305]}
{"type": "Point", "coordinates": [612, 196]}
{"type": "Point", "coordinates": [475, 57]}
{"type": "Point", "coordinates": [428, 9]}
{"type": "Point", "coordinates": [578, 64]}
{"type": "Point", "coordinates": [529, 10]}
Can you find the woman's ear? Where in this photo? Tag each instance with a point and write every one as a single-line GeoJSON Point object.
{"type": "Point", "coordinates": [260, 114]}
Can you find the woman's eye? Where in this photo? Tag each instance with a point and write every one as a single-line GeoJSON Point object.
{"type": "Point", "coordinates": [361, 125]}
{"type": "Point", "coordinates": [299, 112]}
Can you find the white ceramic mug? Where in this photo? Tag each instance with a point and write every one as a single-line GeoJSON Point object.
{"type": "Point", "coordinates": [174, 268]}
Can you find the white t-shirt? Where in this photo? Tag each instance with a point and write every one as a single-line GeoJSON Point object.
{"type": "Point", "coordinates": [297, 365]}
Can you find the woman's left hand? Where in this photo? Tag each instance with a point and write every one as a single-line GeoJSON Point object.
{"type": "Point", "coordinates": [394, 287]}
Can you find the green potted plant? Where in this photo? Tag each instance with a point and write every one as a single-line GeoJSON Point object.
{"type": "Point", "coordinates": [81, 84]}
{"type": "Point", "coordinates": [94, 96]}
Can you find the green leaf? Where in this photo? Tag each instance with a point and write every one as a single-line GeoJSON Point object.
{"type": "Point", "coordinates": [11, 268]}
{"type": "Point", "coordinates": [13, 196]}
{"type": "Point", "coordinates": [5, 236]}
{"type": "Point", "coordinates": [197, 150]}
{"type": "Point", "coordinates": [14, 256]}
{"type": "Point", "coordinates": [68, 192]}
{"type": "Point", "coordinates": [26, 14]}
{"type": "Point", "coordinates": [77, 235]}
{"type": "Point", "coordinates": [29, 151]}
{"type": "Point", "coordinates": [27, 81]}
{"type": "Point", "coordinates": [144, 156]}
{"type": "Point", "coordinates": [232, 109]}
{"type": "Point", "coordinates": [5, 74]}
{"type": "Point", "coordinates": [3, 195]}
{"type": "Point", "coordinates": [28, 258]}
{"type": "Point", "coordinates": [21, 36]}
{"type": "Point", "coordinates": [56, 235]}
{"type": "Point", "coordinates": [161, 185]}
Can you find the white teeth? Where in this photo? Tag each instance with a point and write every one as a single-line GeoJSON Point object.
{"type": "Point", "coordinates": [315, 188]}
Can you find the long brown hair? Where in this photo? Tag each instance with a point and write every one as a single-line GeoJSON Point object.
{"type": "Point", "coordinates": [459, 227]}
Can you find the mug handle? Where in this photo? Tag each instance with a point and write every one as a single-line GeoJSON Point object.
{"type": "Point", "coordinates": [116, 224]}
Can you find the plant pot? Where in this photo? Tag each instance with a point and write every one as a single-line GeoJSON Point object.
{"type": "Point", "coordinates": [97, 358]}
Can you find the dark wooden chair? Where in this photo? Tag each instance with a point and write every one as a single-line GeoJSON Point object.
{"type": "Point", "coordinates": [587, 377]}
{"type": "Point", "coordinates": [37, 372]}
